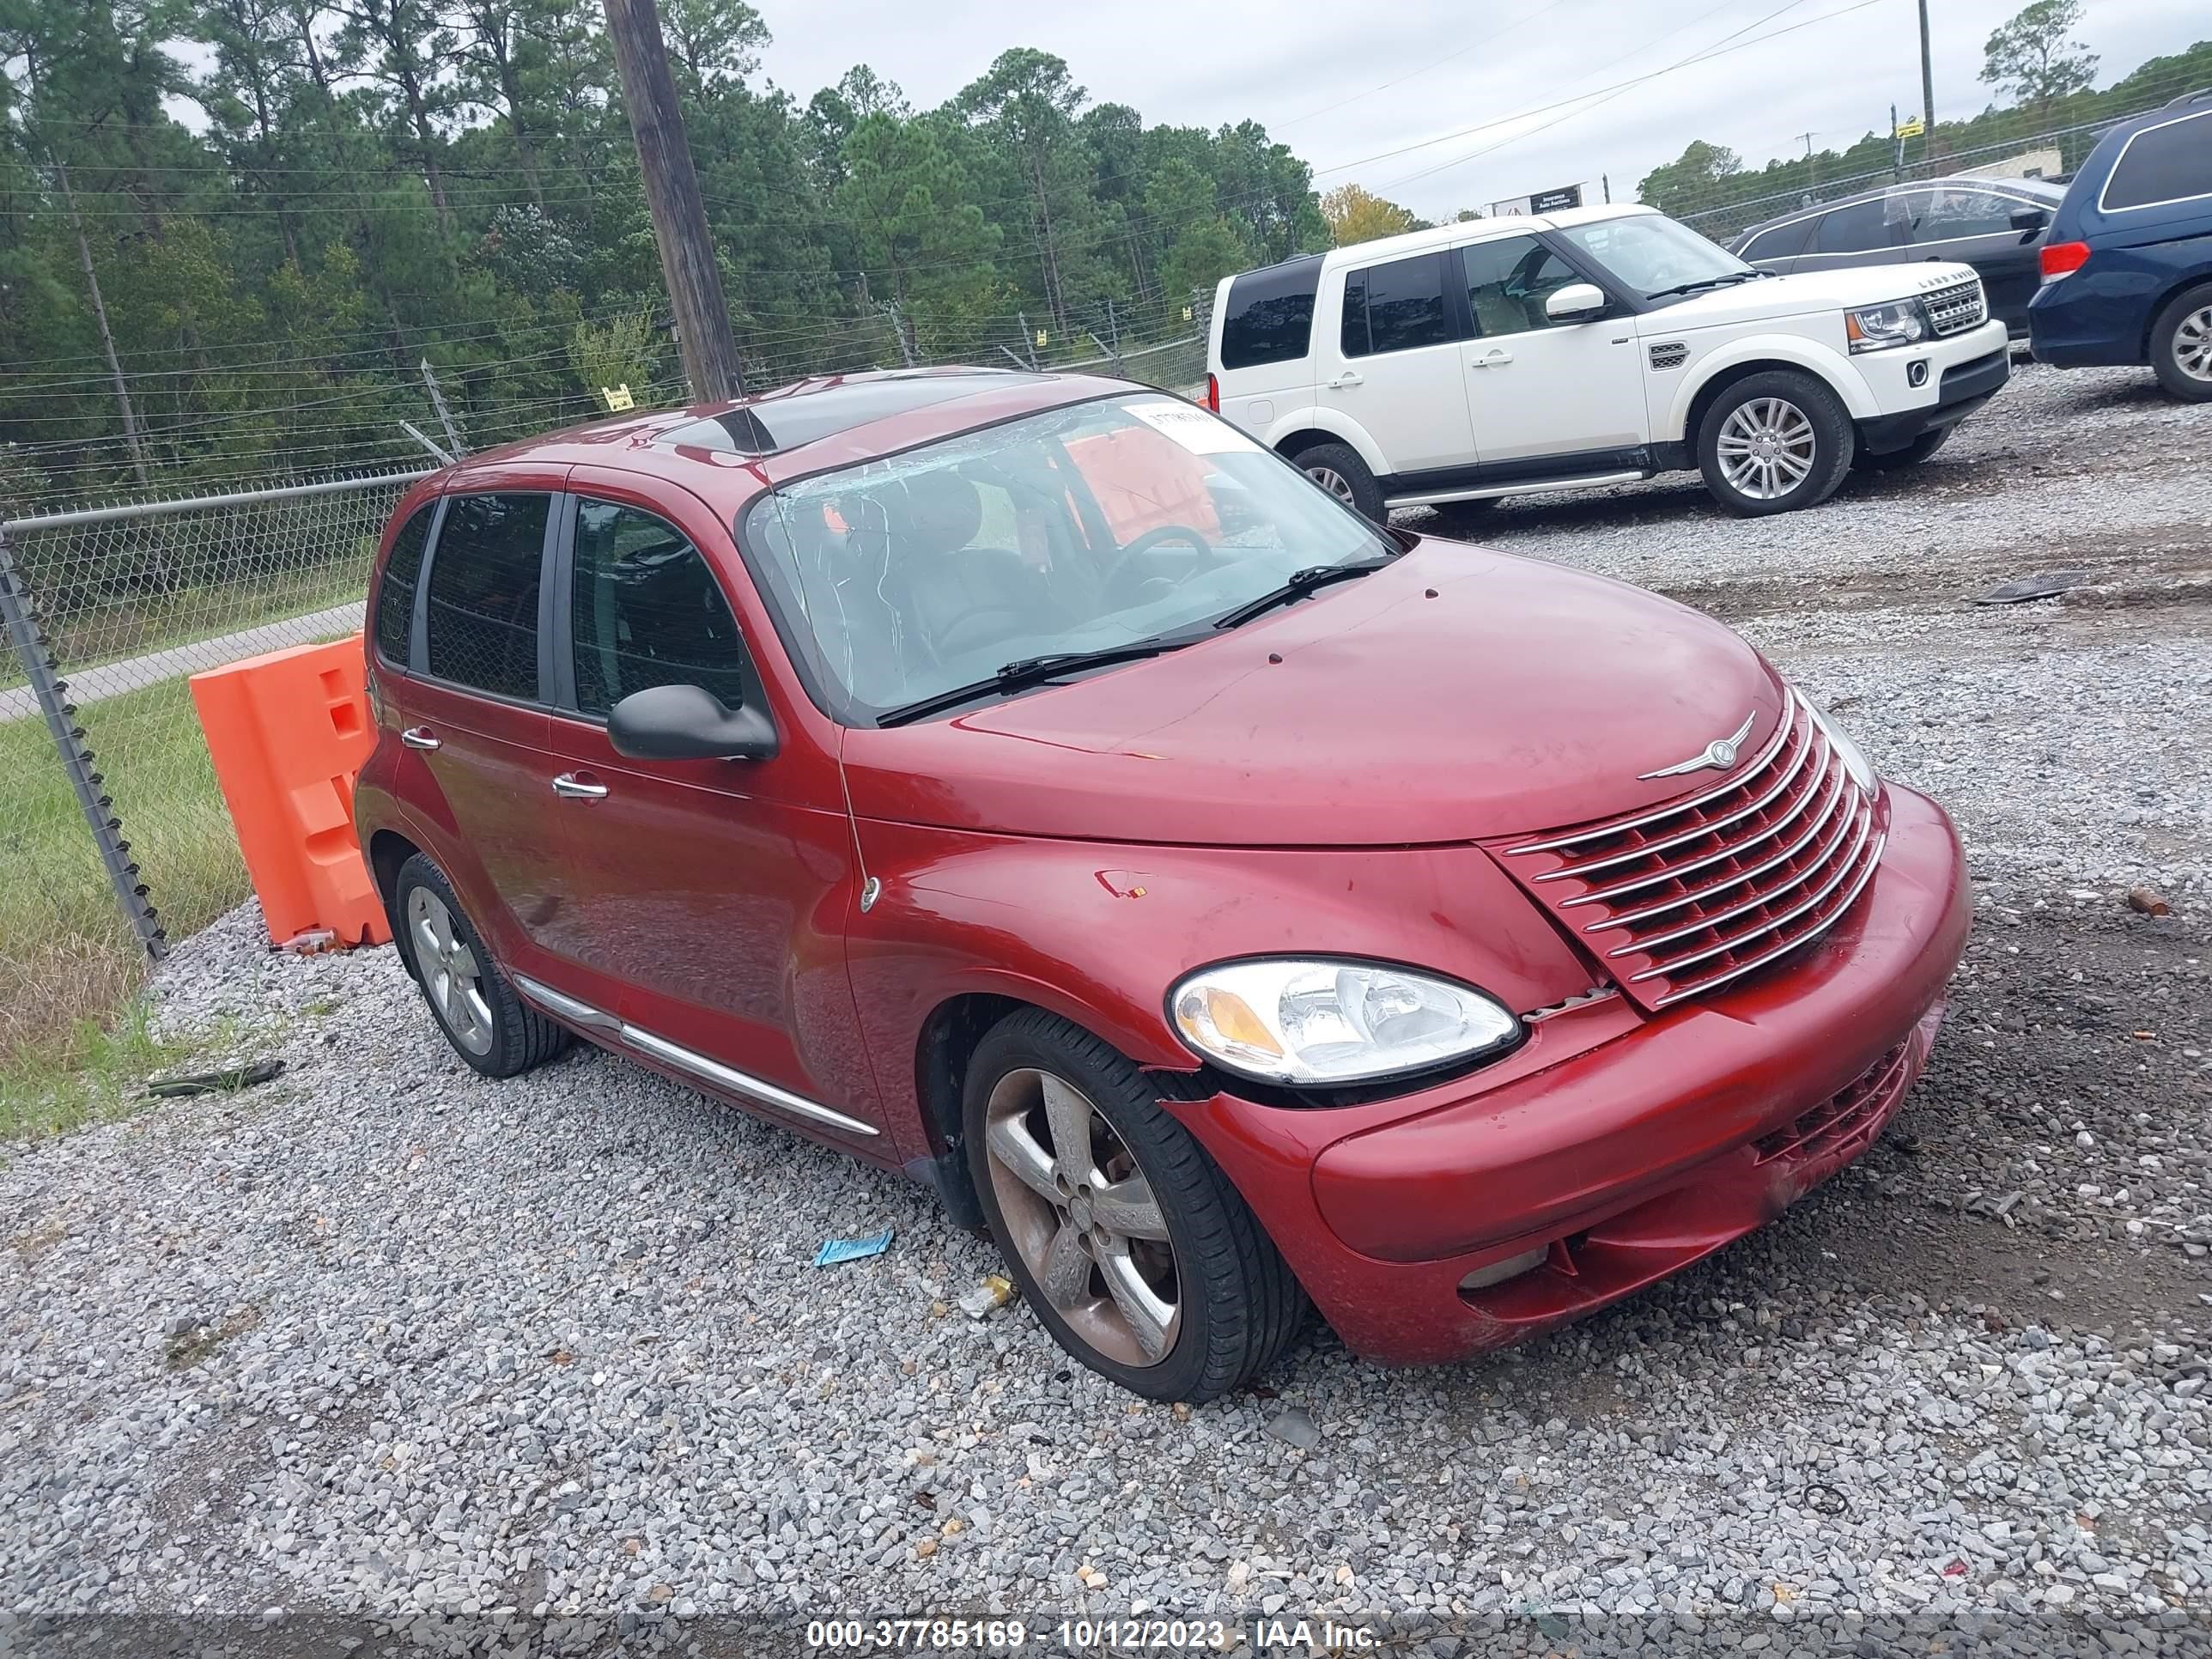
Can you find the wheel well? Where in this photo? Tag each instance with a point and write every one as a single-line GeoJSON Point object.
{"type": "Point", "coordinates": [2195, 279]}
{"type": "Point", "coordinates": [1709, 394]}
{"type": "Point", "coordinates": [949, 1037]}
{"type": "Point", "coordinates": [387, 850]}
{"type": "Point", "coordinates": [1289, 446]}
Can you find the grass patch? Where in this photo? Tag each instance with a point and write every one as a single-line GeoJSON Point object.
{"type": "Point", "coordinates": [138, 624]}
{"type": "Point", "coordinates": [68, 970]}
{"type": "Point", "coordinates": [97, 1074]}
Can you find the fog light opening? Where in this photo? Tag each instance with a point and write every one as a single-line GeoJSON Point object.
{"type": "Point", "coordinates": [1512, 1267]}
{"type": "Point", "coordinates": [1916, 374]}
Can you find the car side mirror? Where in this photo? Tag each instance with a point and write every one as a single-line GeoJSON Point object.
{"type": "Point", "coordinates": [688, 722]}
{"type": "Point", "coordinates": [1577, 302]}
{"type": "Point", "coordinates": [2030, 219]}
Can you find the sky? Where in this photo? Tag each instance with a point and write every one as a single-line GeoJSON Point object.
{"type": "Point", "coordinates": [1345, 86]}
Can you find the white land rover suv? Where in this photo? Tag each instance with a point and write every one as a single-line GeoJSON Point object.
{"type": "Point", "coordinates": [1453, 367]}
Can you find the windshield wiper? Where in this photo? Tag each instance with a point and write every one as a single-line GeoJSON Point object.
{"type": "Point", "coordinates": [1299, 584]}
{"type": "Point", "coordinates": [1032, 670]}
{"type": "Point", "coordinates": [1732, 278]}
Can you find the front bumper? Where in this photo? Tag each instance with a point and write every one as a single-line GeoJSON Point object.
{"type": "Point", "coordinates": [1960, 388]}
{"type": "Point", "coordinates": [1625, 1146]}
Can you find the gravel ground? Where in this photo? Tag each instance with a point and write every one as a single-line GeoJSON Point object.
{"type": "Point", "coordinates": [383, 1351]}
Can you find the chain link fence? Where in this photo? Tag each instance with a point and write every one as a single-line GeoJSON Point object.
{"type": "Point", "coordinates": [112, 833]}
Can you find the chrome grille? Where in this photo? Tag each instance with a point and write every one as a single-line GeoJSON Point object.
{"type": "Point", "coordinates": [1679, 900]}
{"type": "Point", "coordinates": [1669, 354]}
{"type": "Point", "coordinates": [1958, 307]}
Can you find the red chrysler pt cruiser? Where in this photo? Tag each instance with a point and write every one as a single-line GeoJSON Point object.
{"type": "Point", "coordinates": [1031, 783]}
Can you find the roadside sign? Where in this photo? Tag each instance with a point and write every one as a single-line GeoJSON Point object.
{"type": "Point", "coordinates": [618, 397]}
{"type": "Point", "coordinates": [1552, 201]}
{"type": "Point", "coordinates": [1911, 127]}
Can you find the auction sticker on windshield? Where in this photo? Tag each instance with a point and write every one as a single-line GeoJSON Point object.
{"type": "Point", "coordinates": [1193, 429]}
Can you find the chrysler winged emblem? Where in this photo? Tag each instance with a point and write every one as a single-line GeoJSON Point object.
{"type": "Point", "coordinates": [1720, 754]}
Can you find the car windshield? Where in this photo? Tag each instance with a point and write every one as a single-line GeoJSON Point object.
{"type": "Point", "coordinates": [1653, 255]}
{"type": "Point", "coordinates": [1081, 529]}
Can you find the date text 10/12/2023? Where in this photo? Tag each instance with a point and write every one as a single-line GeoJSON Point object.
{"type": "Point", "coordinates": [1088, 1636]}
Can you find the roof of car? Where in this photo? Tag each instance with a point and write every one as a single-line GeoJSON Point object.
{"type": "Point", "coordinates": [1466, 230]}
{"type": "Point", "coordinates": [2042, 189]}
{"type": "Point", "coordinates": [728, 452]}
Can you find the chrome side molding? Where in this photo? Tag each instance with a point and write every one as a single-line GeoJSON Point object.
{"type": "Point", "coordinates": [673, 1053]}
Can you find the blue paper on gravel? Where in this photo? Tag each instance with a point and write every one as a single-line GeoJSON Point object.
{"type": "Point", "coordinates": [852, 1250]}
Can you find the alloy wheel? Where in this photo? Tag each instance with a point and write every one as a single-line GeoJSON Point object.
{"type": "Point", "coordinates": [1334, 481]}
{"type": "Point", "coordinates": [1083, 1217]}
{"type": "Point", "coordinates": [451, 978]}
{"type": "Point", "coordinates": [2192, 344]}
{"type": "Point", "coordinates": [1767, 447]}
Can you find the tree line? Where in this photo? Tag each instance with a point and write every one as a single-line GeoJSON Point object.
{"type": "Point", "coordinates": [233, 228]}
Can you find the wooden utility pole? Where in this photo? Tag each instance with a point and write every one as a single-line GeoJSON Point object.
{"type": "Point", "coordinates": [671, 190]}
{"type": "Point", "coordinates": [1927, 87]}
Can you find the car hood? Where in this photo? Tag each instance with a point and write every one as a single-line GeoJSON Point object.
{"type": "Point", "coordinates": [1456, 694]}
{"type": "Point", "coordinates": [1807, 291]}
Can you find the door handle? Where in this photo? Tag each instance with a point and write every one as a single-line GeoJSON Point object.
{"type": "Point", "coordinates": [419, 737]}
{"type": "Point", "coordinates": [570, 786]}
{"type": "Point", "coordinates": [1350, 377]}
{"type": "Point", "coordinates": [1493, 360]}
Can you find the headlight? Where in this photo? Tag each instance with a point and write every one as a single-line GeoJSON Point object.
{"type": "Point", "coordinates": [1877, 328]}
{"type": "Point", "coordinates": [1302, 1022]}
{"type": "Point", "coordinates": [1854, 757]}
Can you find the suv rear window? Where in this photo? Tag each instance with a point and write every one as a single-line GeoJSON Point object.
{"type": "Point", "coordinates": [485, 572]}
{"type": "Point", "coordinates": [2170, 162]}
{"type": "Point", "coordinates": [1270, 317]}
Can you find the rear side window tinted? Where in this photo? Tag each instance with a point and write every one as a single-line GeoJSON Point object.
{"type": "Point", "coordinates": [395, 592]}
{"type": "Point", "coordinates": [484, 578]}
{"type": "Point", "coordinates": [646, 610]}
{"type": "Point", "coordinates": [1783, 242]}
{"type": "Point", "coordinates": [1396, 307]}
{"type": "Point", "coordinates": [1858, 228]}
{"type": "Point", "coordinates": [2167, 163]}
{"type": "Point", "coordinates": [1270, 316]}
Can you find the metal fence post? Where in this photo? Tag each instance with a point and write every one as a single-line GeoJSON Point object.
{"type": "Point", "coordinates": [445, 417]}
{"type": "Point", "coordinates": [77, 760]}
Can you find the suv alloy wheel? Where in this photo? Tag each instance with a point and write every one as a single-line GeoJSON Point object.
{"type": "Point", "coordinates": [1774, 442]}
{"type": "Point", "coordinates": [1338, 469]}
{"type": "Point", "coordinates": [1138, 1254]}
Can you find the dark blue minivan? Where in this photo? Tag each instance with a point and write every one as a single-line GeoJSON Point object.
{"type": "Point", "coordinates": [2127, 269]}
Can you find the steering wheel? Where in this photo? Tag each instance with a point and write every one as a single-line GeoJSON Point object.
{"type": "Point", "coordinates": [1150, 543]}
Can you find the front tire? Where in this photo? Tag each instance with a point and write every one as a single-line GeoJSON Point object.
{"type": "Point", "coordinates": [1912, 455]}
{"type": "Point", "coordinates": [489, 1026]}
{"type": "Point", "coordinates": [1775, 442]}
{"type": "Point", "coordinates": [2181, 346]}
{"type": "Point", "coordinates": [1338, 469]}
{"type": "Point", "coordinates": [1134, 1249]}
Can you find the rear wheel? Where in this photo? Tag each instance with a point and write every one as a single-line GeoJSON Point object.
{"type": "Point", "coordinates": [2181, 346]}
{"type": "Point", "coordinates": [1774, 442]}
{"type": "Point", "coordinates": [1912, 455]}
{"type": "Point", "coordinates": [1338, 469]}
{"type": "Point", "coordinates": [488, 1025]}
{"type": "Point", "coordinates": [1135, 1251]}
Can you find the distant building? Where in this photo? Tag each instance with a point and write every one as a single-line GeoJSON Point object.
{"type": "Point", "coordinates": [2028, 164]}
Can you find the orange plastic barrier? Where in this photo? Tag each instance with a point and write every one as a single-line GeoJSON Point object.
{"type": "Point", "coordinates": [287, 731]}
